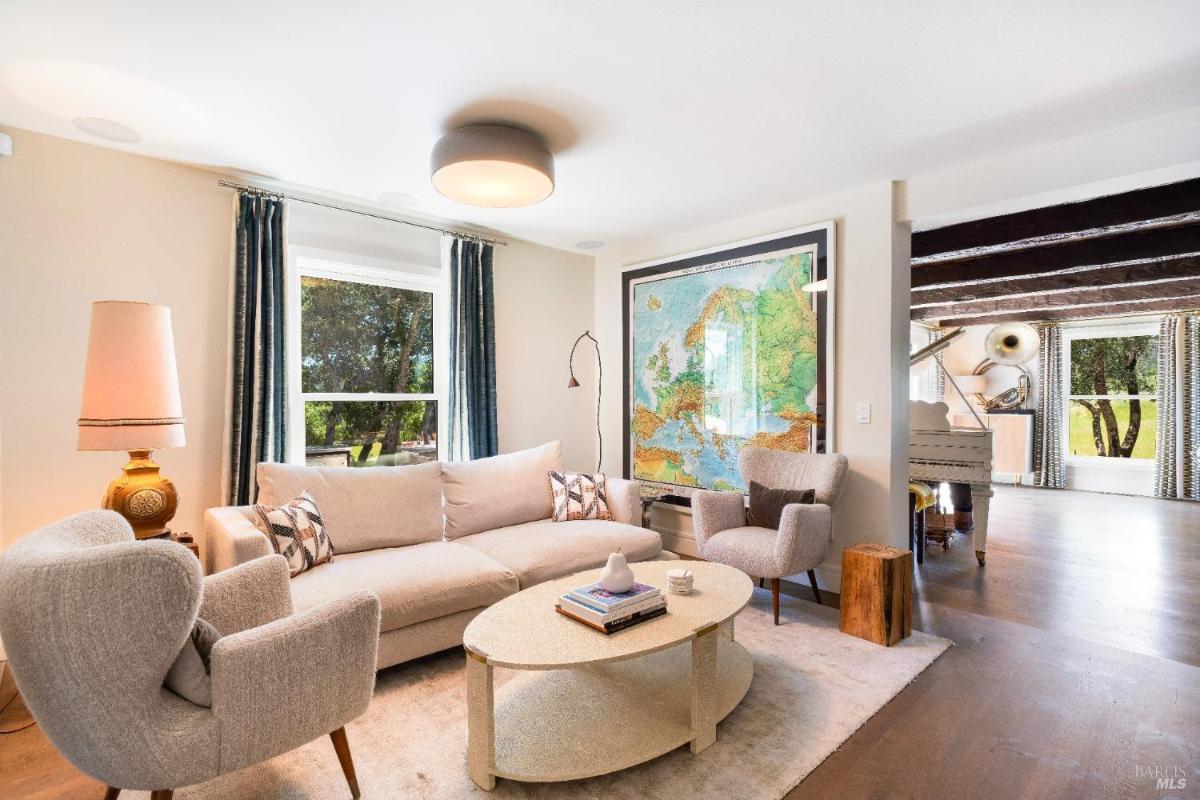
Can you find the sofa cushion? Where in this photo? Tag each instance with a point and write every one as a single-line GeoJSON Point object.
{"type": "Point", "coordinates": [502, 490]}
{"type": "Point", "coordinates": [297, 532]}
{"type": "Point", "coordinates": [544, 550]}
{"type": "Point", "coordinates": [363, 508]}
{"type": "Point", "coordinates": [414, 584]}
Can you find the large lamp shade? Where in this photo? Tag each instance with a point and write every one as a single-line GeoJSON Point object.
{"type": "Point", "coordinates": [130, 385]}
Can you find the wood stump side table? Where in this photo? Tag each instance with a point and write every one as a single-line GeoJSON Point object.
{"type": "Point", "coordinates": [877, 593]}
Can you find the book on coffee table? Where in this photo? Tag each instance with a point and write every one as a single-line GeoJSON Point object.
{"type": "Point", "coordinates": [604, 601]}
{"type": "Point", "coordinates": [586, 613]}
{"type": "Point", "coordinates": [612, 627]}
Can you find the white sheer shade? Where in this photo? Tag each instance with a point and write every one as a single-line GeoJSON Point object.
{"type": "Point", "coordinates": [130, 385]}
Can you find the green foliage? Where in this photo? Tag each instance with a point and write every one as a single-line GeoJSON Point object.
{"type": "Point", "coordinates": [1113, 366]}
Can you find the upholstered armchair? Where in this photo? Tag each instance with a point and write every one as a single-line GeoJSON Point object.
{"type": "Point", "coordinates": [802, 541]}
{"type": "Point", "coordinates": [92, 620]}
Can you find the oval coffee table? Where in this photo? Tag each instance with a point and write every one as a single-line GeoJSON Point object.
{"type": "Point", "coordinates": [588, 704]}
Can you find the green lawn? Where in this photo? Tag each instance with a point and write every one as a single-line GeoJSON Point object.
{"type": "Point", "coordinates": [1082, 443]}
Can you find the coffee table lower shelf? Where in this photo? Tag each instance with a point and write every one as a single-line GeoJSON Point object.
{"type": "Point", "coordinates": [567, 724]}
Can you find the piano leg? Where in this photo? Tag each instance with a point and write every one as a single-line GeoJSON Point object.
{"type": "Point", "coordinates": [981, 499]}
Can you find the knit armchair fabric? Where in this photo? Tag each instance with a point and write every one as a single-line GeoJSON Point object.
{"type": "Point", "coordinates": [802, 541]}
{"type": "Point", "coordinates": [92, 620]}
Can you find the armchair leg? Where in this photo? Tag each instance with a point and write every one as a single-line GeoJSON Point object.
{"type": "Point", "coordinates": [162, 794]}
{"type": "Point", "coordinates": [812, 581]}
{"type": "Point", "coordinates": [111, 793]}
{"type": "Point", "coordinates": [775, 598]}
{"type": "Point", "coordinates": [343, 753]}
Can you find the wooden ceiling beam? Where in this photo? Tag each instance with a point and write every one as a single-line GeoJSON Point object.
{"type": "Point", "coordinates": [1101, 212]}
{"type": "Point", "coordinates": [1140, 245]}
{"type": "Point", "coordinates": [1170, 269]}
{"type": "Point", "coordinates": [1080, 312]}
{"type": "Point", "coordinates": [1096, 297]}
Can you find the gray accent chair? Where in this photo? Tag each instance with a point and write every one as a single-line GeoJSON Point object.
{"type": "Point", "coordinates": [802, 541]}
{"type": "Point", "coordinates": [92, 620]}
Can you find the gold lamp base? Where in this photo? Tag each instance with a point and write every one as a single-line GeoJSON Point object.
{"type": "Point", "coordinates": [143, 496]}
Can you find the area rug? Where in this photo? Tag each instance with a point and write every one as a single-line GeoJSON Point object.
{"type": "Point", "coordinates": [813, 687]}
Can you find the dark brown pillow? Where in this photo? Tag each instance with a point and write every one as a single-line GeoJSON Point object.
{"type": "Point", "coordinates": [766, 505]}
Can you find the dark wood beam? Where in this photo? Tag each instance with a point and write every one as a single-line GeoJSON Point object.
{"type": "Point", "coordinates": [1095, 297]}
{"type": "Point", "coordinates": [1106, 275]}
{"type": "Point", "coordinates": [1154, 243]}
{"type": "Point", "coordinates": [1101, 212]}
{"type": "Point", "coordinates": [1080, 312]}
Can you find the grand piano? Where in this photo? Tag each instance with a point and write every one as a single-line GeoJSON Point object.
{"type": "Point", "coordinates": [938, 452]}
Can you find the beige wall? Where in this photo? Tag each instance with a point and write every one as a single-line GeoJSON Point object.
{"type": "Point", "coordinates": [80, 223]}
{"type": "Point", "coordinates": [870, 361]}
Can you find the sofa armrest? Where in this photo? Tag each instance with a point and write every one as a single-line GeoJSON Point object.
{"type": "Point", "coordinates": [713, 512]}
{"type": "Point", "coordinates": [232, 538]}
{"type": "Point", "coordinates": [259, 678]}
{"type": "Point", "coordinates": [247, 595]}
{"type": "Point", "coordinates": [803, 539]}
{"type": "Point", "coordinates": [624, 500]}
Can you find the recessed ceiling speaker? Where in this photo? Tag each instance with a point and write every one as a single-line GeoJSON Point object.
{"type": "Point", "coordinates": [1011, 343]}
{"type": "Point", "coordinates": [492, 166]}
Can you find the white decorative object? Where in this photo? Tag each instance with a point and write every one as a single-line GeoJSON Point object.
{"type": "Point", "coordinates": [617, 577]}
{"type": "Point", "coordinates": [679, 581]}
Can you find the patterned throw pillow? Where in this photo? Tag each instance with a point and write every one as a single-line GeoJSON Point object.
{"type": "Point", "coordinates": [579, 496]}
{"type": "Point", "coordinates": [297, 533]}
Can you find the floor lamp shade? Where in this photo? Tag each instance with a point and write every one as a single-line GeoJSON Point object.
{"type": "Point", "coordinates": [130, 384]}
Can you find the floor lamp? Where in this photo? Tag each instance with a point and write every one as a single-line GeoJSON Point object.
{"type": "Point", "coordinates": [599, 389]}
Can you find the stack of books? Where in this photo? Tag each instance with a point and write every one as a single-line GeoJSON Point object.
{"type": "Point", "coordinates": [609, 612]}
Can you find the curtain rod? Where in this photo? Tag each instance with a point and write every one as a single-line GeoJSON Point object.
{"type": "Point", "coordinates": [270, 193]}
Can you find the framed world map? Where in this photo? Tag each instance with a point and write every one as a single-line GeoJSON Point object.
{"type": "Point", "coordinates": [728, 348]}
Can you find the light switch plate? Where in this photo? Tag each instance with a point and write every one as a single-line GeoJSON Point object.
{"type": "Point", "coordinates": [862, 413]}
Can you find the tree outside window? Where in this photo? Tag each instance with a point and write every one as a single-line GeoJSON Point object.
{"type": "Point", "coordinates": [1112, 407]}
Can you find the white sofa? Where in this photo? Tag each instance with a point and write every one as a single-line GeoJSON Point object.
{"type": "Point", "coordinates": [436, 542]}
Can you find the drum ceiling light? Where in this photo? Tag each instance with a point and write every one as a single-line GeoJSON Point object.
{"type": "Point", "coordinates": [492, 166]}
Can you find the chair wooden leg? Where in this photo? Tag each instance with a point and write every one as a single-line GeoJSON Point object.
{"type": "Point", "coordinates": [162, 794]}
{"type": "Point", "coordinates": [343, 753]}
{"type": "Point", "coordinates": [775, 598]}
{"type": "Point", "coordinates": [111, 793]}
{"type": "Point", "coordinates": [761, 581]}
{"type": "Point", "coordinates": [812, 581]}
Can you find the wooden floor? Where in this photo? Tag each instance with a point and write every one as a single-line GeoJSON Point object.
{"type": "Point", "coordinates": [1076, 666]}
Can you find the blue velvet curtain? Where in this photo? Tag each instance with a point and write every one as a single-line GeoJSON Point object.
{"type": "Point", "coordinates": [472, 406]}
{"type": "Point", "coordinates": [258, 398]}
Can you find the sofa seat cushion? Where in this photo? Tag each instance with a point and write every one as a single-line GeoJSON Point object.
{"type": "Point", "coordinates": [544, 550]}
{"type": "Point", "coordinates": [414, 584]}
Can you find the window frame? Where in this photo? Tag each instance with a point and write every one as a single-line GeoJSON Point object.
{"type": "Point", "coordinates": [1092, 330]}
{"type": "Point", "coordinates": [305, 262]}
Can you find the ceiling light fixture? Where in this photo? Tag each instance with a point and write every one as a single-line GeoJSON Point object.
{"type": "Point", "coordinates": [107, 129]}
{"type": "Point", "coordinates": [492, 166]}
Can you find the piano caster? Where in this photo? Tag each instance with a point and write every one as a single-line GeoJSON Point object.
{"type": "Point", "coordinates": [979, 555]}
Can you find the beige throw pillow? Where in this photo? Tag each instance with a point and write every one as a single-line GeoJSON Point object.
{"type": "Point", "coordinates": [190, 676]}
{"type": "Point", "coordinates": [578, 495]}
{"type": "Point", "coordinates": [499, 491]}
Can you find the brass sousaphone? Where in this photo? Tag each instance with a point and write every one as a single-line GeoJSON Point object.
{"type": "Point", "coordinates": [1010, 344]}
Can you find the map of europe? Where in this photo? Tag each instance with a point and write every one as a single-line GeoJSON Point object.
{"type": "Point", "coordinates": [721, 359]}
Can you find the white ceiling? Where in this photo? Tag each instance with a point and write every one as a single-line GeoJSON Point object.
{"type": "Point", "coordinates": [664, 115]}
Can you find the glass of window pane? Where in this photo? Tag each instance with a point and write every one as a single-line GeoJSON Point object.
{"type": "Point", "coordinates": [1114, 365]}
{"type": "Point", "coordinates": [360, 337]}
{"type": "Point", "coordinates": [370, 433]}
{"type": "Point", "coordinates": [1112, 428]}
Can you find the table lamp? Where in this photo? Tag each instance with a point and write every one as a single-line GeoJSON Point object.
{"type": "Point", "coordinates": [131, 402]}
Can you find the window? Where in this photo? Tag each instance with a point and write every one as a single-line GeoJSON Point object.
{"type": "Point", "coordinates": [1112, 378]}
{"type": "Point", "coordinates": [365, 377]}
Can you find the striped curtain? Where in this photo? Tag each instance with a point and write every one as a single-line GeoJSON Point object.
{"type": "Point", "coordinates": [937, 376]}
{"type": "Point", "coordinates": [257, 391]}
{"type": "Point", "coordinates": [1177, 436]}
{"type": "Point", "coordinates": [1048, 469]}
{"type": "Point", "coordinates": [472, 406]}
